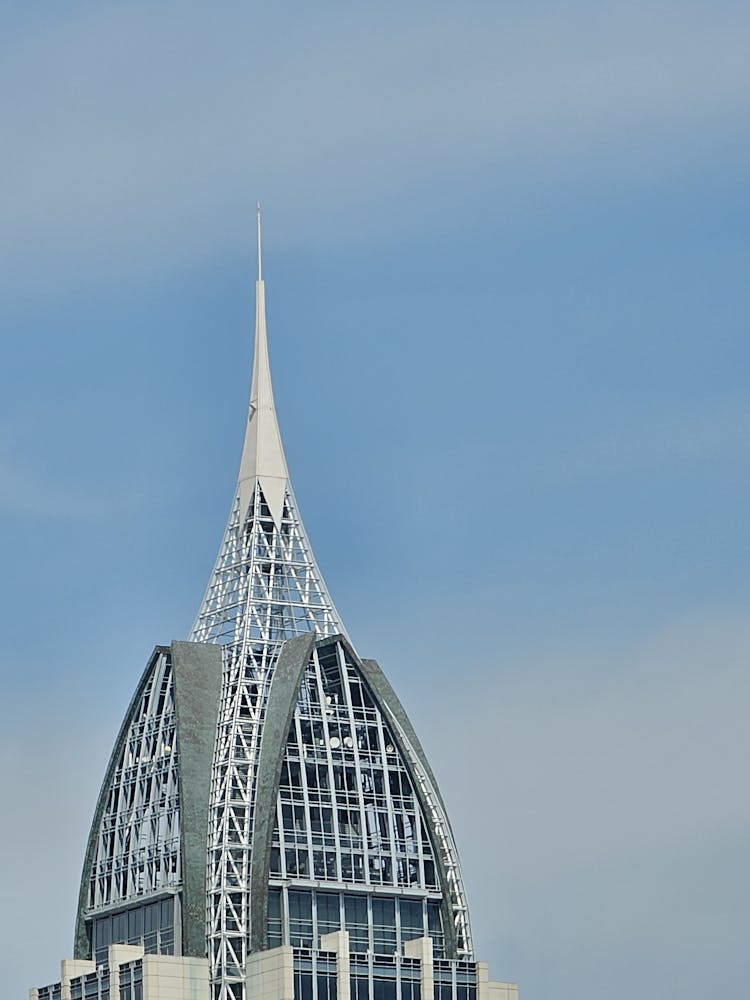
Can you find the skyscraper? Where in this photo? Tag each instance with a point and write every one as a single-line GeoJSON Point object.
{"type": "Point", "coordinates": [269, 825]}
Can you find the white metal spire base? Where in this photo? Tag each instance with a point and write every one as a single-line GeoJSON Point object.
{"type": "Point", "coordinates": [265, 587]}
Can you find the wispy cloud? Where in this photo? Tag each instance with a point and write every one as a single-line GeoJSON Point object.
{"type": "Point", "coordinates": [138, 126]}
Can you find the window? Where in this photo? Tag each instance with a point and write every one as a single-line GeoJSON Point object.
{"type": "Point", "coordinates": [384, 979]}
{"type": "Point", "coordinates": [466, 980]}
{"type": "Point", "coordinates": [384, 989]}
{"type": "Point", "coordinates": [326, 984]}
{"type": "Point", "coordinates": [435, 927]}
{"type": "Point", "coordinates": [300, 920]}
{"type": "Point", "coordinates": [102, 932]}
{"type": "Point", "coordinates": [355, 914]}
{"type": "Point", "coordinates": [274, 918]}
{"type": "Point", "coordinates": [135, 924]}
{"type": "Point", "coordinates": [412, 919]}
{"type": "Point", "coordinates": [329, 918]}
{"type": "Point", "coordinates": [360, 988]}
{"type": "Point", "coordinates": [383, 926]}
{"type": "Point", "coordinates": [120, 928]}
{"type": "Point", "coordinates": [131, 981]}
{"type": "Point", "coordinates": [303, 986]}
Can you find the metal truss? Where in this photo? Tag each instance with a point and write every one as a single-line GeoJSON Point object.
{"type": "Point", "coordinates": [441, 830]}
{"type": "Point", "coordinates": [138, 843]}
{"type": "Point", "coordinates": [346, 810]}
{"type": "Point", "coordinates": [357, 815]}
{"type": "Point", "coordinates": [265, 588]}
{"type": "Point", "coordinates": [349, 815]}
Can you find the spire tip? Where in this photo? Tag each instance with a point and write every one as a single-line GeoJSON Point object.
{"type": "Point", "coordinates": [260, 267]}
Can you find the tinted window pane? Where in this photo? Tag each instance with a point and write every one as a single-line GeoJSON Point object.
{"type": "Point", "coordinates": [326, 987]}
{"type": "Point", "coordinates": [360, 988]}
{"type": "Point", "coordinates": [303, 986]}
{"type": "Point", "coordinates": [383, 911]}
{"type": "Point", "coordinates": [135, 923]}
{"type": "Point", "coordinates": [328, 912]}
{"type": "Point", "coordinates": [300, 919]}
{"type": "Point", "coordinates": [300, 905]}
{"type": "Point", "coordinates": [152, 917]}
{"type": "Point", "coordinates": [102, 932]}
{"type": "Point", "coordinates": [411, 919]}
{"type": "Point", "coordinates": [384, 925]}
{"type": "Point", "coordinates": [384, 989]}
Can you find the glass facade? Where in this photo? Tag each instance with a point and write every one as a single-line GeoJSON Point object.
{"type": "Point", "coordinates": [355, 835]}
{"type": "Point", "coordinates": [372, 977]}
{"type": "Point", "coordinates": [138, 841]}
{"type": "Point", "coordinates": [49, 992]}
{"type": "Point", "coordinates": [380, 977]}
{"type": "Point", "coordinates": [314, 976]}
{"type": "Point", "coordinates": [152, 926]}
{"type": "Point", "coordinates": [378, 924]}
{"type": "Point", "coordinates": [94, 986]}
{"type": "Point", "coordinates": [265, 589]}
{"type": "Point", "coordinates": [99, 985]}
{"type": "Point", "coordinates": [455, 981]}
{"type": "Point", "coordinates": [347, 810]}
{"type": "Point", "coordinates": [131, 981]}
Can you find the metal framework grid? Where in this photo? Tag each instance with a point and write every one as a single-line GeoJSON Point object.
{"type": "Point", "coordinates": [265, 588]}
{"type": "Point", "coordinates": [358, 818]}
{"type": "Point", "coordinates": [346, 810]}
{"type": "Point", "coordinates": [138, 846]}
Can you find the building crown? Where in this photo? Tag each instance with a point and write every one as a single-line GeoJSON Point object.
{"type": "Point", "coordinates": [266, 586]}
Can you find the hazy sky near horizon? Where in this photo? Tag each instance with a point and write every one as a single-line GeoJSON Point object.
{"type": "Point", "coordinates": [506, 254]}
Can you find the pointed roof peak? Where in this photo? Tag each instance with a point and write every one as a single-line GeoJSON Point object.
{"type": "Point", "coordinates": [262, 452]}
{"type": "Point", "coordinates": [265, 586]}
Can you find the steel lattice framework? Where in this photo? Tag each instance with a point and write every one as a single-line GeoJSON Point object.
{"type": "Point", "coordinates": [266, 588]}
{"type": "Point", "coordinates": [138, 843]}
{"type": "Point", "coordinates": [361, 838]}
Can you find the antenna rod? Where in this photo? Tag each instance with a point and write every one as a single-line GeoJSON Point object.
{"type": "Point", "coordinates": [260, 266]}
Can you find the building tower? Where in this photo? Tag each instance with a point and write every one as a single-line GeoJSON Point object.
{"type": "Point", "coordinates": [269, 825]}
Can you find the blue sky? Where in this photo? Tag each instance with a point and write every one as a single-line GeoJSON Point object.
{"type": "Point", "coordinates": [506, 253]}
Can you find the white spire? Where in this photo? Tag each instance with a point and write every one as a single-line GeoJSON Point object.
{"type": "Point", "coordinates": [262, 453]}
{"type": "Point", "coordinates": [265, 586]}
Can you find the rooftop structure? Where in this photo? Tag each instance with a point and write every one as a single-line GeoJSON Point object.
{"type": "Point", "coordinates": [268, 824]}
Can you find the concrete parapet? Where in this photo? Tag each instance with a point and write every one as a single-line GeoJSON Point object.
{"type": "Point", "coordinates": [71, 968]}
{"type": "Point", "coordinates": [338, 942]}
{"type": "Point", "coordinates": [269, 975]}
{"type": "Point", "coordinates": [503, 991]}
{"type": "Point", "coordinates": [167, 977]}
{"type": "Point", "coordinates": [421, 948]}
